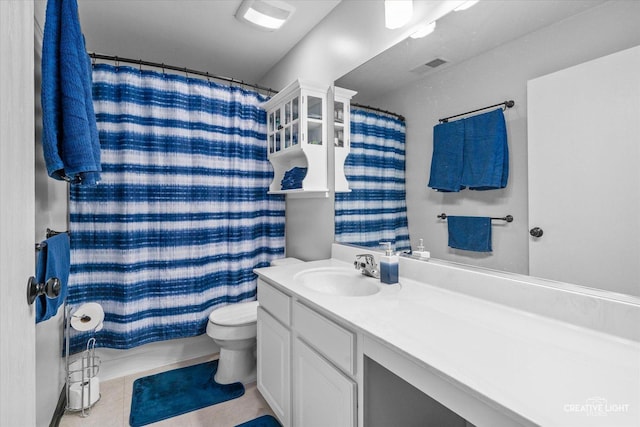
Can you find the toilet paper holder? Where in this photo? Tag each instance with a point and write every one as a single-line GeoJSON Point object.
{"type": "Point", "coordinates": [82, 382]}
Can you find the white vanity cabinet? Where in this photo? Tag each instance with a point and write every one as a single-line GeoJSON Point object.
{"type": "Point", "coordinates": [306, 363]}
{"type": "Point", "coordinates": [323, 354]}
{"type": "Point", "coordinates": [274, 351]}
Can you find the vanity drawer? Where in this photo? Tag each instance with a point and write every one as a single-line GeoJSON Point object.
{"type": "Point", "coordinates": [329, 338]}
{"type": "Point", "coordinates": [277, 303]}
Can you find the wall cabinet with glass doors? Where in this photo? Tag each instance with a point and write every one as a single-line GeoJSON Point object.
{"type": "Point", "coordinates": [297, 138]}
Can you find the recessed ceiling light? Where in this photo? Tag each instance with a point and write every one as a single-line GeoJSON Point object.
{"type": "Point", "coordinates": [268, 15]}
{"type": "Point", "coordinates": [397, 13]}
{"type": "Point", "coordinates": [424, 30]}
{"type": "Point", "coordinates": [465, 5]}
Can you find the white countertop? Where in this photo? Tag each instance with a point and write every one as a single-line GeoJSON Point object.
{"type": "Point", "coordinates": [549, 372]}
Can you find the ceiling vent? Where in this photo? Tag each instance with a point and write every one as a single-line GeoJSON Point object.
{"type": "Point", "coordinates": [435, 63]}
{"type": "Point", "coordinates": [429, 66]}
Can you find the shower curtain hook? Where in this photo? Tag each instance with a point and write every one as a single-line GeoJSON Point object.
{"type": "Point", "coordinates": [140, 65]}
{"type": "Point", "coordinates": [117, 62]}
{"type": "Point", "coordinates": [163, 73]}
{"type": "Point", "coordinates": [186, 73]}
{"type": "Point", "coordinates": [93, 60]}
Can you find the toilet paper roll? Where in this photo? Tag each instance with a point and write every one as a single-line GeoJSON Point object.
{"type": "Point", "coordinates": [88, 317]}
{"type": "Point", "coordinates": [90, 387]}
{"type": "Point", "coordinates": [91, 368]}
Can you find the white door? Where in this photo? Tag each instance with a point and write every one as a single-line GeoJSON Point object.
{"type": "Point", "coordinates": [17, 327]}
{"type": "Point", "coordinates": [274, 365]}
{"type": "Point", "coordinates": [322, 395]}
{"type": "Point", "coordinates": [584, 173]}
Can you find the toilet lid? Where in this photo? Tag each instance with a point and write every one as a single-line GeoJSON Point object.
{"type": "Point", "coordinates": [236, 314]}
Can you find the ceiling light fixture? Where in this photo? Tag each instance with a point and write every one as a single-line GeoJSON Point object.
{"type": "Point", "coordinates": [268, 15]}
{"type": "Point", "coordinates": [424, 30]}
{"type": "Point", "coordinates": [397, 13]}
{"type": "Point", "coordinates": [466, 5]}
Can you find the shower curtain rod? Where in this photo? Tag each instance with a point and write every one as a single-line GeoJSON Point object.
{"type": "Point", "coordinates": [400, 117]}
{"type": "Point", "coordinates": [507, 104]}
{"type": "Point", "coordinates": [140, 62]}
{"type": "Point", "coordinates": [117, 59]}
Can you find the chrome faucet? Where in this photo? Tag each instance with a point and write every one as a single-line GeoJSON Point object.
{"type": "Point", "coordinates": [367, 264]}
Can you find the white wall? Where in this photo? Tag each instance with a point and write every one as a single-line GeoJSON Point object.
{"type": "Point", "coordinates": [497, 75]}
{"type": "Point", "coordinates": [51, 212]}
{"type": "Point", "coordinates": [17, 331]}
{"type": "Point", "coordinates": [352, 34]}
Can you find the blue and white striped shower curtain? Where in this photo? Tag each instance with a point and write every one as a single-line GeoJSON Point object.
{"type": "Point", "coordinates": [375, 210]}
{"type": "Point", "coordinates": [181, 216]}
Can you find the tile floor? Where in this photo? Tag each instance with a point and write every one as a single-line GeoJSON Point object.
{"type": "Point", "coordinates": [115, 405]}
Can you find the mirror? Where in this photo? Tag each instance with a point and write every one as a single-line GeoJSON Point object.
{"type": "Point", "coordinates": [487, 54]}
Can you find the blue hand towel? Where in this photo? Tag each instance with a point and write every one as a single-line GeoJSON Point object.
{"type": "Point", "coordinates": [53, 261]}
{"type": "Point", "coordinates": [447, 157]}
{"type": "Point", "coordinates": [293, 178]}
{"type": "Point", "coordinates": [486, 155]}
{"type": "Point", "coordinates": [69, 131]}
{"type": "Point", "coordinates": [470, 233]}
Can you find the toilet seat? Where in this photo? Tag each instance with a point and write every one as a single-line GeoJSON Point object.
{"type": "Point", "coordinates": [239, 314]}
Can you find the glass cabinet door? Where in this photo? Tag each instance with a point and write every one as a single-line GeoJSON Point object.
{"type": "Point", "coordinates": [314, 120]}
{"type": "Point", "coordinates": [338, 111]}
{"type": "Point", "coordinates": [338, 123]}
{"type": "Point", "coordinates": [295, 108]}
{"type": "Point", "coordinates": [314, 107]}
{"type": "Point", "coordinates": [291, 122]}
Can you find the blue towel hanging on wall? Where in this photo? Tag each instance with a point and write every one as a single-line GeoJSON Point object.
{"type": "Point", "coordinates": [447, 159]}
{"type": "Point", "coordinates": [53, 261]}
{"type": "Point", "coordinates": [69, 132]}
{"type": "Point", "coordinates": [471, 153]}
{"type": "Point", "coordinates": [470, 233]}
{"type": "Point", "coordinates": [486, 155]}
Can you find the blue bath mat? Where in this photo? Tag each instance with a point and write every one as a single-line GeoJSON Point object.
{"type": "Point", "coordinates": [172, 393]}
{"type": "Point", "coordinates": [263, 421]}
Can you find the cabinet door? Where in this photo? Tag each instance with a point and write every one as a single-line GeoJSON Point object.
{"type": "Point", "coordinates": [323, 396]}
{"type": "Point", "coordinates": [274, 364]}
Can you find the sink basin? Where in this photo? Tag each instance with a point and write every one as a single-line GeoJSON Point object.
{"type": "Point", "coordinates": [338, 281]}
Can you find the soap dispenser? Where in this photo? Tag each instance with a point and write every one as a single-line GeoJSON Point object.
{"type": "Point", "coordinates": [389, 265]}
{"type": "Point", "coordinates": [421, 252]}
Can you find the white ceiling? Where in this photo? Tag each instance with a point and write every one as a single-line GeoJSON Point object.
{"type": "Point", "coordinates": [458, 36]}
{"type": "Point", "coordinates": [204, 35]}
{"type": "Point", "coordinates": [198, 34]}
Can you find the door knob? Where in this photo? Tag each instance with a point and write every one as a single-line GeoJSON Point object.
{"type": "Point", "coordinates": [51, 288]}
{"type": "Point", "coordinates": [536, 232]}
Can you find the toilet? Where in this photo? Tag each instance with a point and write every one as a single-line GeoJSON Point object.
{"type": "Point", "coordinates": [233, 327]}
